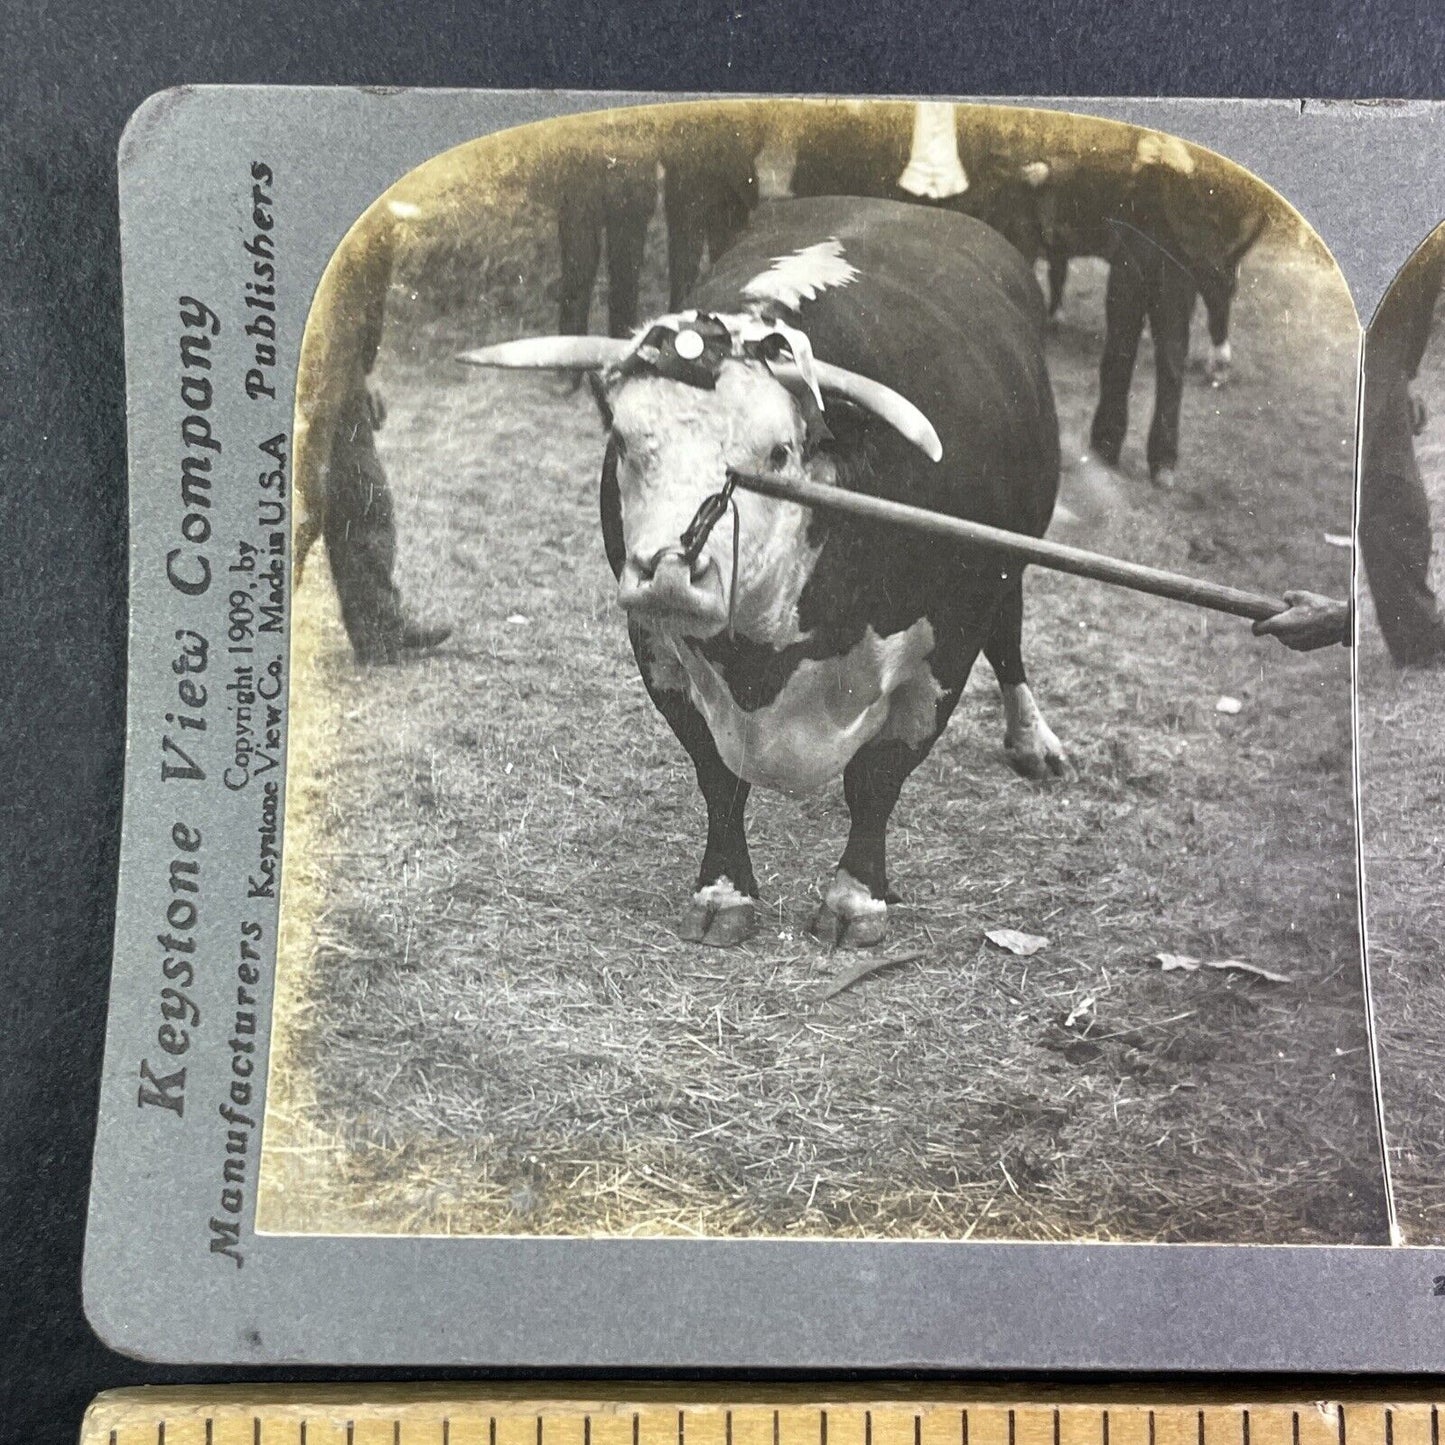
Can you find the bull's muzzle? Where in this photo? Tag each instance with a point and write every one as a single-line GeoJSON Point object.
{"type": "Point", "coordinates": [667, 589]}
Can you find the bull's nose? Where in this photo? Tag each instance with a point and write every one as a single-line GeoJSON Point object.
{"type": "Point", "coordinates": [666, 586]}
{"type": "Point", "coordinates": [645, 569]}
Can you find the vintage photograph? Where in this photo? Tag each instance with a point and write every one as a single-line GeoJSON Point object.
{"type": "Point", "coordinates": [678, 841]}
{"type": "Point", "coordinates": [1401, 683]}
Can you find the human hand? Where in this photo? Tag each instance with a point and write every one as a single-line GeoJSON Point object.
{"type": "Point", "coordinates": [1310, 621]}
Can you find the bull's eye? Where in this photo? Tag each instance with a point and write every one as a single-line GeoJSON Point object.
{"type": "Point", "coordinates": [778, 457]}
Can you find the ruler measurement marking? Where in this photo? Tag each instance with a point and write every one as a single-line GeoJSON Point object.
{"type": "Point", "coordinates": [171, 1427]}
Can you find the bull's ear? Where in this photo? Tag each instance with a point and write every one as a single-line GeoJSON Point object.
{"type": "Point", "coordinates": [598, 388]}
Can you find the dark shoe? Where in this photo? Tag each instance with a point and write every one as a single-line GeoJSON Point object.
{"type": "Point", "coordinates": [415, 637]}
{"type": "Point", "coordinates": [1423, 659]}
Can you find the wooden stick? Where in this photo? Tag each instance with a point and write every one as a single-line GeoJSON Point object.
{"type": "Point", "coordinates": [1055, 555]}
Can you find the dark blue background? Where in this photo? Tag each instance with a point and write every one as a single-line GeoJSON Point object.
{"type": "Point", "coordinates": [71, 75]}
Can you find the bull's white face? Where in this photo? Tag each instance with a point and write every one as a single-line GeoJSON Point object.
{"type": "Point", "coordinates": [674, 445]}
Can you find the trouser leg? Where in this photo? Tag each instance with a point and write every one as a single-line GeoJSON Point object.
{"type": "Point", "coordinates": [1395, 538]}
{"type": "Point", "coordinates": [579, 241]}
{"type": "Point", "coordinates": [360, 532]}
{"type": "Point", "coordinates": [1171, 310]}
{"type": "Point", "coordinates": [630, 204]}
{"type": "Point", "coordinates": [1125, 307]}
{"type": "Point", "coordinates": [686, 232]}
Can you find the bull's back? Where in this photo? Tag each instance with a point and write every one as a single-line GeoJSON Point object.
{"type": "Point", "coordinates": [940, 307]}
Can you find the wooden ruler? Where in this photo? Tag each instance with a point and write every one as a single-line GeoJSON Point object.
{"type": "Point", "coordinates": [741, 1415]}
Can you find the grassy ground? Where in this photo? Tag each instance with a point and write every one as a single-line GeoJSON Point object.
{"type": "Point", "coordinates": [486, 1022]}
{"type": "Point", "coordinates": [1402, 785]}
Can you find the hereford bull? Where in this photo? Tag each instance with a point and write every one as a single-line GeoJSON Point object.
{"type": "Point", "coordinates": [868, 345]}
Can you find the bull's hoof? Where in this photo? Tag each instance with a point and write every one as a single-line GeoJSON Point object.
{"type": "Point", "coordinates": [1039, 757]}
{"type": "Point", "coordinates": [1164, 479]}
{"type": "Point", "coordinates": [1029, 743]}
{"type": "Point", "coordinates": [1220, 364]}
{"type": "Point", "coordinates": [719, 916]}
{"type": "Point", "coordinates": [850, 916]}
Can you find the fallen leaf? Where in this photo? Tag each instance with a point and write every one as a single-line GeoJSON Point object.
{"type": "Point", "coordinates": [1230, 705]}
{"type": "Point", "coordinates": [1080, 1010]}
{"type": "Point", "coordinates": [1171, 961]}
{"type": "Point", "coordinates": [1024, 944]}
{"type": "Point", "coordinates": [1339, 539]}
{"type": "Point", "coordinates": [866, 969]}
{"type": "Point", "coordinates": [519, 619]}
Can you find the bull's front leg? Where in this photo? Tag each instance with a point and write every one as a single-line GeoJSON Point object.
{"type": "Point", "coordinates": [1029, 743]}
{"type": "Point", "coordinates": [854, 912]}
{"type": "Point", "coordinates": [723, 909]}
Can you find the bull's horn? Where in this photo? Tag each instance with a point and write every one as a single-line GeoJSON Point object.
{"type": "Point", "coordinates": [559, 353]}
{"type": "Point", "coordinates": [884, 403]}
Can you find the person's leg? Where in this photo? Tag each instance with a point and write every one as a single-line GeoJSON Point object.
{"type": "Point", "coordinates": [1395, 536]}
{"type": "Point", "coordinates": [631, 200]}
{"type": "Point", "coordinates": [730, 201]}
{"type": "Point", "coordinates": [360, 533]}
{"type": "Point", "coordinates": [1171, 309]}
{"type": "Point", "coordinates": [683, 201]}
{"type": "Point", "coordinates": [1125, 304]}
{"type": "Point", "coordinates": [579, 242]}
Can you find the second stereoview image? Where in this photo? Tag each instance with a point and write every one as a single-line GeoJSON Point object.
{"type": "Point", "coordinates": [1401, 683]}
{"type": "Point", "coordinates": [683, 839]}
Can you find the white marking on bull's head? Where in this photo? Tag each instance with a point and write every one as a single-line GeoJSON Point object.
{"type": "Point", "coordinates": [673, 445]}
{"type": "Point", "coordinates": [799, 277]}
